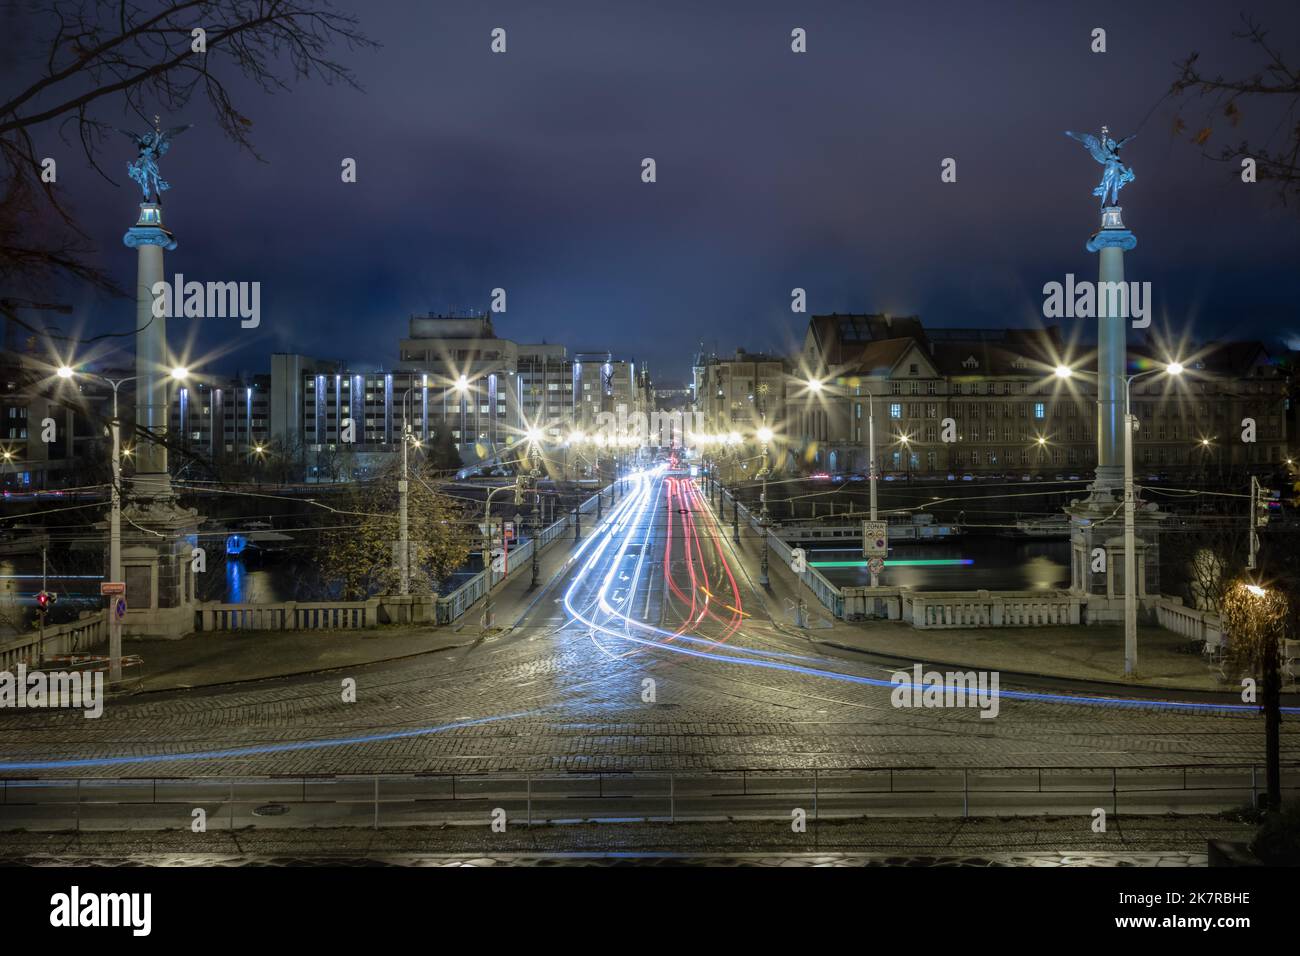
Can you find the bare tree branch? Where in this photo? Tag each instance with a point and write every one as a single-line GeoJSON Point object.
{"type": "Point", "coordinates": [139, 56]}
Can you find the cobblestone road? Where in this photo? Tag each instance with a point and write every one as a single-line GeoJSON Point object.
{"type": "Point", "coordinates": [552, 695]}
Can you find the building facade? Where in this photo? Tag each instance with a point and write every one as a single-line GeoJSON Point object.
{"type": "Point", "coordinates": [989, 401]}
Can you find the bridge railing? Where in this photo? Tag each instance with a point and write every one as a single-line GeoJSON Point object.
{"type": "Point", "coordinates": [91, 630]}
{"type": "Point", "coordinates": [1205, 627]}
{"type": "Point", "coordinates": [343, 615]}
{"type": "Point", "coordinates": [289, 616]}
{"type": "Point", "coordinates": [966, 609]}
{"type": "Point", "coordinates": [452, 606]}
{"type": "Point", "coordinates": [826, 593]}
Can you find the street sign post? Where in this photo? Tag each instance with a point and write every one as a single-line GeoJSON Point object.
{"type": "Point", "coordinates": [111, 587]}
{"type": "Point", "coordinates": [875, 564]}
{"type": "Point", "coordinates": [119, 608]}
{"type": "Point", "coordinates": [875, 539]}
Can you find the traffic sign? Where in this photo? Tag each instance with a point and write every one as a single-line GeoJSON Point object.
{"type": "Point", "coordinates": [875, 538]}
{"type": "Point", "coordinates": [119, 608]}
{"type": "Point", "coordinates": [875, 564]}
{"type": "Point", "coordinates": [112, 587]}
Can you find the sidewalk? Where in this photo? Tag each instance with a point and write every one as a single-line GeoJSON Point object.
{"type": "Point", "coordinates": [1078, 652]}
{"type": "Point", "coordinates": [1062, 841]}
{"type": "Point", "coordinates": [205, 659]}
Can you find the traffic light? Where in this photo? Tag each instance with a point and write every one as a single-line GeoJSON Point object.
{"type": "Point", "coordinates": [46, 598]}
{"type": "Point", "coordinates": [1265, 500]}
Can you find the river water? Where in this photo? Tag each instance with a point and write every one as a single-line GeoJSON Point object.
{"type": "Point", "coordinates": [964, 564]}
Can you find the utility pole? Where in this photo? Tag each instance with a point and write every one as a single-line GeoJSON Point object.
{"type": "Point", "coordinates": [871, 465]}
{"type": "Point", "coordinates": [487, 550]}
{"type": "Point", "coordinates": [115, 549]}
{"type": "Point", "coordinates": [537, 522]}
{"type": "Point", "coordinates": [765, 434]}
{"type": "Point", "coordinates": [1255, 522]}
{"type": "Point", "coordinates": [41, 603]}
{"type": "Point", "coordinates": [1130, 543]}
{"type": "Point", "coordinates": [403, 528]}
{"type": "Point", "coordinates": [114, 521]}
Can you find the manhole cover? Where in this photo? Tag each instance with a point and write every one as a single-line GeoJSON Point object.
{"type": "Point", "coordinates": [270, 810]}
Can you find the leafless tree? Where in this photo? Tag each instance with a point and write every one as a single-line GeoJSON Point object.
{"type": "Point", "coordinates": [1271, 94]}
{"type": "Point", "coordinates": [99, 58]}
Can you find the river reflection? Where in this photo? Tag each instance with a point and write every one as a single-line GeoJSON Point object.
{"type": "Point", "coordinates": [994, 564]}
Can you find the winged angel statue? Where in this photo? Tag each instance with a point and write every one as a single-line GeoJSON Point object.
{"type": "Point", "coordinates": [1105, 150]}
{"type": "Point", "coordinates": [153, 145]}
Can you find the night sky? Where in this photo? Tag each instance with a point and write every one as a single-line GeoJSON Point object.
{"type": "Point", "coordinates": [775, 170]}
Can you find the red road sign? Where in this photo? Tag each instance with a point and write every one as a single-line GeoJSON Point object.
{"type": "Point", "coordinates": [112, 587]}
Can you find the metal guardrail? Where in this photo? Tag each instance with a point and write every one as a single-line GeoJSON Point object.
{"type": "Point", "coordinates": [452, 606]}
{"type": "Point", "coordinates": [826, 593]}
{"type": "Point", "coordinates": [414, 799]}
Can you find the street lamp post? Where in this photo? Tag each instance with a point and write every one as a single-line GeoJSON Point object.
{"type": "Point", "coordinates": [487, 555]}
{"type": "Point", "coordinates": [1130, 536]}
{"type": "Point", "coordinates": [872, 471]}
{"type": "Point", "coordinates": [1256, 621]}
{"type": "Point", "coordinates": [534, 436]}
{"type": "Point", "coordinates": [115, 510]}
{"type": "Point", "coordinates": [1130, 503]}
{"type": "Point", "coordinates": [403, 487]}
{"type": "Point", "coordinates": [765, 436]}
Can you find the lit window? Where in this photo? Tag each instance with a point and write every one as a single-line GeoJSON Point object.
{"type": "Point", "coordinates": [1040, 410]}
{"type": "Point", "coordinates": [896, 410]}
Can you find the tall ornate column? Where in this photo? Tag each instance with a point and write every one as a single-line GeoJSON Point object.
{"type": "Point", "coordinates": [1097, 521]}
{"type": "Point", "coordinates": [158, 536]}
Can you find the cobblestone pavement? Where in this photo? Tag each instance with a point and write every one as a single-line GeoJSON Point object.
{"type": "Point", "coordinates": [551, 695]}
{"type": "Point", "coordinates": [645, 859]}
{"type": "Point", "coordinates": [1066, 841]}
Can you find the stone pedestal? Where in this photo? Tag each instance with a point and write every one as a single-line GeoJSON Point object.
{"type": "Point", "coordinates": [158, 541]}
{"type": "Point", "coordinates": [1097, 522]}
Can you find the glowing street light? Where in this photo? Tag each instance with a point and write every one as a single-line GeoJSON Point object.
{"type": "Point", "coordinates": [64, 371]}
{"type": "Point", "coordinates": [180, 373]}
{"type": "Point", "coordinates": [764, 435]}
{"type": "Point", "coordinates": [1256, 619]}
{"type": "Point", "coordinates": [1063, 371]}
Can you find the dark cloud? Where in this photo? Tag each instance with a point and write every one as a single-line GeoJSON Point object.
{"type": "Point", "coordinates": [775, 170]}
